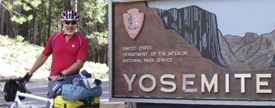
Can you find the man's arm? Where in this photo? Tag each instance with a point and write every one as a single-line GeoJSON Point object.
{"type": "Point", "coordinates": [38, 63]}
{"type": "Point", "coordinates": [73, 68]}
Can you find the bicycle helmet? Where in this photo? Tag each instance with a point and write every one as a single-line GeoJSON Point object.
{"type": "Point", "coordinates": [69, 15]}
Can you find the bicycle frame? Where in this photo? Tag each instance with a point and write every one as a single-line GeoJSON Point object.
{"type": "Point", "coordinates": [18, 103]}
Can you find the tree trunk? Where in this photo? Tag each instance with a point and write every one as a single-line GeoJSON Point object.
{"type": "Point", "coordinates": [33, 28]}
{"type": "Point", "coordinates": [23, 29]}
{"type": "Point", "coordinates": [50, 18]}
{"type": "Point", "coordinates": [11, 27]}
{"type": "Point", "coordinates": [106, 56]}
{"type": "Point", "coordinates": [67, 4]}
{"type": "Point", "coordinates": [103, 53]}
{"type": "Point", "coordinates": [2, 20]}
{"type": "Point", "coordinates": [96, 55]}
{"type": "Point", "coordinates": [75, 5]}
{"type": "Point", "coordinates": [39, 26]}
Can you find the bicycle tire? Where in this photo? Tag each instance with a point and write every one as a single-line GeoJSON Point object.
{"type": "Point", "coordinates": [4, 106]}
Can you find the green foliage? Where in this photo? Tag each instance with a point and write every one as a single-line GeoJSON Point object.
{"type": "Point", "coordinates": [95, 11]}
{"type": "Point", "coordinates": [102, 11]}
{"type": "Point", "coordinates": [33, 15]}
{"type": "Point", "coordinates": [8, 5]}
{"type": "Point", "coordinates": [26, 7]}
{"type": "Point", "coordinates": [34, 3]}
{"type": "Point", "coordinates": [21, 55]}
{"type": "Point", "coordinates": [30, 17]}
{"type": "Point", "coordinates": [17, 3]}
{"type": "Point", "coordinates": [19, 20]}
{"type": "Point", "coordinates": [19, 38]}
{"type": "Point", "coordinates": [14, 6]}
{"type": "Point", "coordinates": [94, 16]}
{"type": "Point", "coordinates": [101, 37]}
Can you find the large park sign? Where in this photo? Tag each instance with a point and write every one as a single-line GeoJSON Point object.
{"type": "Point", "coordinates": [163, 54]}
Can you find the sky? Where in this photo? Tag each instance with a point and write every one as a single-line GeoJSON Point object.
{"type": "Point", "coordinates": [234, 17]}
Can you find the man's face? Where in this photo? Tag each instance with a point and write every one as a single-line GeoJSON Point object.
{"type": "Point", "coordinates": [69, 27]}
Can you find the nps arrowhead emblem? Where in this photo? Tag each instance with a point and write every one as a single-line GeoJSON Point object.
{"type": "Point", "coordinates": [133, 22]}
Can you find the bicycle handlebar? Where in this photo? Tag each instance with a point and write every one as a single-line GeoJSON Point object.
{"type": "Point", "coordinates": [19, 82]}
{"type": "Point", "coordinates": [22, 82]}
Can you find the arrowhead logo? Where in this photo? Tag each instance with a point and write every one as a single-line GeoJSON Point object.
{"type": "Point", "coordinates": [133, 22]}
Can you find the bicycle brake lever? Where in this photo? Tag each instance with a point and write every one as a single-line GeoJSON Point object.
{"type": "Point", "coordinates": [26, 88]}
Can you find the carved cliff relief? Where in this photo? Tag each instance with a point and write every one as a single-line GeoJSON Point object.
{"type": "Point", "coordinates": [199, 28]}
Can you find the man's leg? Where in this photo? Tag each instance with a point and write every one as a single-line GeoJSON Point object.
{"type": "Point", "coordinates": [50, 93]}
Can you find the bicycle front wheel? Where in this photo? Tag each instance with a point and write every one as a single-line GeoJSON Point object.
{"type": "Point", "coordinates": [13, 105]}
{"type": "Point", "coordinates": [4, 106]}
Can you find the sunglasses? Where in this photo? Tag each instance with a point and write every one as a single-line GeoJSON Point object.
{"type": "Point", "coordinates": [72, 22]}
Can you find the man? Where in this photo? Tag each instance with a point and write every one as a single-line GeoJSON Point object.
{"type": "Point", "coordinates": [68, 49]}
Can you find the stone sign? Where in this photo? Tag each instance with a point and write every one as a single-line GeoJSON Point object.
{"type": "Point", "coordinates": [181, 56]}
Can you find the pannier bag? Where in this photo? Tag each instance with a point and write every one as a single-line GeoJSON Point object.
{"type": "Point", "coordinates": [93, 102]}
{"type": "Point", "coordinates": [10, 89]}
{"type": "Point", "coordinates": [60, 103]}
{"type": "Point", "coordinates": [73, 93]}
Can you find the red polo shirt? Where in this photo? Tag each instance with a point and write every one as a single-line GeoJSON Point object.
{"type": "Point", "coordinates": [65, 54]}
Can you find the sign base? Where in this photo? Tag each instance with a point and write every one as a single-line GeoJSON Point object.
{"type": "Point", "coordinates": [155, 105]}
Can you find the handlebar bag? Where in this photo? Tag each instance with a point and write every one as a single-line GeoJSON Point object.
{"type": "Point", "coordinates": [10, 89]}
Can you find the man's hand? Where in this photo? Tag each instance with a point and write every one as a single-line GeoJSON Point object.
{"type": "Point", "coordinates": [53, 78]}
{"type": "Point", "coordinates": [57, 77]}
{"type": "Point", "coordinates": [27, 77]}
{"type": "Point", "coordinates": [59, 74]}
